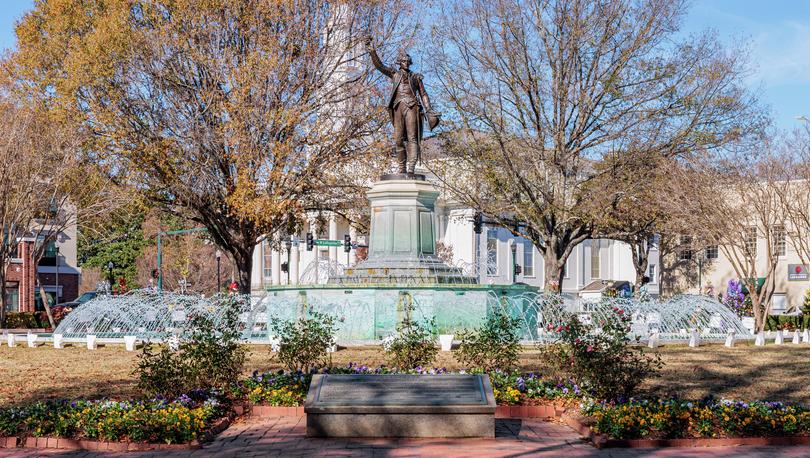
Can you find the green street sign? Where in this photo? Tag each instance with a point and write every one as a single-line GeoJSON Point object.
{"type": "Point", "coordinates": [320, 242]}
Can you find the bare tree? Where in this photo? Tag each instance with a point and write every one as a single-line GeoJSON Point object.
{"type": "Point", "coordinates": [738, 203]}
{"type": "Point", "coordinates": [795, 194]}
{"type": "Point", "coordinates": [227, 114]}
{"type": "Point", "coordinates": [552, 99]}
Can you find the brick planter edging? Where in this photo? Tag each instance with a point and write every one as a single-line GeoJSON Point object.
{"type": "Point", "coordinates": [269, 411]}
{"type": "Point", "coordinates": [603, 441]}
{"type": "Point", "coordinates": [112, 446]}
{"type": "Point", "coordinates": [539, 411]}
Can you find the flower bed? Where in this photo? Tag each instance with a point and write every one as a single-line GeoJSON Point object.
{"type": "Point", "coordinates": [280, 389]}
{"type": "Point", "coordinates": [155, 421]}
{"type": "Point", "coordinates": [679, 419]}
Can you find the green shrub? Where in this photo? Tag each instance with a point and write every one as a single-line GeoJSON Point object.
{"type": "Point", "coordinates": [603, 362]}
{"type": "Point", "coordinates": [414, 343]}
{"type": "Point", "coordinates": [787, 322]}
{"type": "Point", "coordinates": [25, 320]}
{"type": "Point", "coordinates": [304, 343]}
{"type": "Point", "coordinates": [209, 356]}
{"type": "Point", "coordinates": [495, 345]}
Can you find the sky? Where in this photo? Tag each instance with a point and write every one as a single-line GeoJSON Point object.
{"type": "Point", "coordinates": [777, 33]}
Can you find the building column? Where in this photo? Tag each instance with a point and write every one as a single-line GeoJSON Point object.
{"type": "Point", "coordinates": [333, 235]}
{"type": "Point", "coordinates": [294, 264]}
{"type": "Point", "coordinates": [275, 266]}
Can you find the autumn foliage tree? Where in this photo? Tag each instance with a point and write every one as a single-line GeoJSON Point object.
{"type": "Point", "coordinates": [224, 112]}
{"type": "Point", "coordinates": [554, 100]}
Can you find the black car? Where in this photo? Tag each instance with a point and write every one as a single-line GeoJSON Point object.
{"type": "Point", "coordinates": [80, 300]}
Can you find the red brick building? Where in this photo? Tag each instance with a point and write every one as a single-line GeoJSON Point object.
{"type": "Point", "coordinates": [57, 271]}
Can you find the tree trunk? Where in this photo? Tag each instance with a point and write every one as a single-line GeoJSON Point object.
{"type": "Point", "coordinates": [553, 272]}
{"type": "Point", "coordinates": [45, 304]}
{"type": "Point", "coordinates": [641, 258]}
{"type": "Point", "coordinates": [2, 295]}
{"type": "Point", "coordinates": [243, 261]}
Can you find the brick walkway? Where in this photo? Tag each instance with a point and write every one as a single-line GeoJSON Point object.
{"type": "Point", "coordinates": [514, 438]}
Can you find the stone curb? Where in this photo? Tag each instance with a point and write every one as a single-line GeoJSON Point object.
{"type": "Point", "coordinates": [75, 444]}
{"type": "Point", "coordinates": [603, 441]}
{"type": "Point", "coordinates": [541, 411]}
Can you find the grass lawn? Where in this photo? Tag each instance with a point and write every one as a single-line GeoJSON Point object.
{"type": "Point", "coordinates": [745, 372]}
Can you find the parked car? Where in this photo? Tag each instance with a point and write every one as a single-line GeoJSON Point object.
{"type": "Point", "coordinates": [80, 300]}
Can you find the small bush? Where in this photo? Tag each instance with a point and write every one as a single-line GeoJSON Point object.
{"type": "Point", "coordinates": [26, 320]}
{"type": "Point", "coordinates": [603, 362]}
{"type": "Point", "coordinates": [304, 342]}
{"type": "Point", "coordinates": [414, 343]}
{"type": "Point", "coordinates": [209, 356]}
{"type": "Point", "coordinates": [495, 345]}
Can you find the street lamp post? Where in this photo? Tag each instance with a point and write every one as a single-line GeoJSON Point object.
{"type": "Point", "coordinates": [219, 278]}
{"type": "Point", "coordinates": [110, 266]}
{"type": "Point", "coordinates": [56, 299]}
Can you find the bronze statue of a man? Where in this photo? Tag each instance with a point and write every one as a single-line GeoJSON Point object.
{"type": "Point", "coordinates": [408, 105]}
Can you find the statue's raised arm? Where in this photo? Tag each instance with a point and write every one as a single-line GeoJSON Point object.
{"type": "Point", "coordinates": [375, 59]}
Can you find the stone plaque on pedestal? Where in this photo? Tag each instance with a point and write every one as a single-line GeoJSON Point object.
{"type": "Point", "coordinates": [400, 406]}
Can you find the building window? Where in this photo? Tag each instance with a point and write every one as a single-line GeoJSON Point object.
{"type": "Point", "coordinates": [49, 255]}
{"type": "Point", "coordinates": [685, 253]}
{"type": "Point", "coordinates": [651, 273]}
{"type": "Point", "coordinates": [596, 260]}
{"type": "Point", "coordinates": [751, 241]}
{"type": "Point", "coordinates": [779, 303]}
{"type": "Point", "coordinates": [267, 261]}
{"type": "Point", "coordinates": [711, 252]}
{"type": "Point", "coordinates": [779, 240]}
{"type": "Point", "coordinates": [528, 258]}
{"type": "Point", "coordinates": [492, 252]}
{"type": "Point", "coordinates": [12, 297]}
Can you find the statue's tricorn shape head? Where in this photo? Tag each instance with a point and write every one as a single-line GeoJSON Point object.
{"type": "Point", "coordinates": [404, 60]}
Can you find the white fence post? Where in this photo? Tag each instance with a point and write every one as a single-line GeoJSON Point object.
{"type": "Point", "coordinates": [730, 339]}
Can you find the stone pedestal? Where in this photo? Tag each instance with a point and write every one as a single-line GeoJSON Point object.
{"type": "Point", "coordinates": [400, 406]}
{"type": "Point", "coordinates": [402, 245]}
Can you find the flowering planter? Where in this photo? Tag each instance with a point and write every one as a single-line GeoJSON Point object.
{"type": "Point", "coordinates": [603, 441]}
{"type": "Point", "coordinates": [111, 446]}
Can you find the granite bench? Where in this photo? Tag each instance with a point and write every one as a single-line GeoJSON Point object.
{"type": "Point", "coordinates": [457, 405]}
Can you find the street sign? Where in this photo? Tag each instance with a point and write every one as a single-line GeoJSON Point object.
{"type": "Point", "coordinates": [325, 242]}
{"type": "Point", "coordinates": [797, 272]}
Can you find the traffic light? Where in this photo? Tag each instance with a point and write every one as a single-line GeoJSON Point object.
{"type": "Point", "coordinates": [310, 241]}
{"type": "Point", "coordinates": [347, 243]}
{"type": "Point", "coordinates": [478, 221]}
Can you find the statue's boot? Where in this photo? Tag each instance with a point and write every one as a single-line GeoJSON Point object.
{"type": "Point", "coordinates": [413, 155]}
{"type": "Point", "coordinates": [402, 159]}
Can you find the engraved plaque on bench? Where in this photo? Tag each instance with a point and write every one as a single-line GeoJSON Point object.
{"type": "Point", "coordinates": [400, 406]}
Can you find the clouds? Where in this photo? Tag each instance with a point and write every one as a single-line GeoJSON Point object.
{"type": "Point", "coordinates": [783, 52]}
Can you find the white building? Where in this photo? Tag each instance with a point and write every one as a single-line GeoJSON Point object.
{"type": "Point", "coordinates": [489, 254]}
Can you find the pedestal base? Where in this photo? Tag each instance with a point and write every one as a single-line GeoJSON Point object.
{"type": "Point", "coordinates": [402, 248]}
